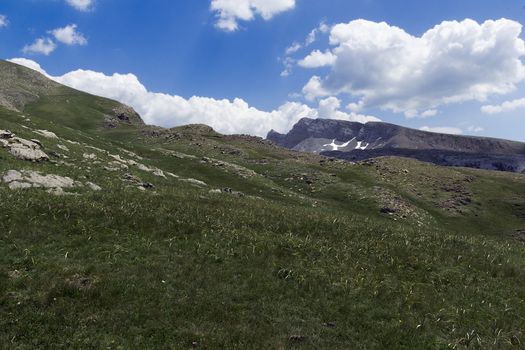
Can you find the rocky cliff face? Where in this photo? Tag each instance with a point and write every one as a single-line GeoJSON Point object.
{"type": "Point", "coordinates": [356, 141]}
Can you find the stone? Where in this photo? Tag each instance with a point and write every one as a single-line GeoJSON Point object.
{"type": "Point", "coordinates": [131, 178]}
{"type": "Point", "coordinates": [24, 179]}
{"type": "Point", "coordinates": [63, 148]}
{"type": "Point", "coordinates": [227, 190]}
{"type": "Point", "coordinates": [195, 182]}
{"type": "Point", "coordinates": [17, 185]}
{"type": "Point", "coordinates": [118, 165]}
{"type": "Point", "coordinates": [56, 191]}
{"type": "Point", "coordinates": [148, 185]}
{"type": "Point", "coordinates": [159, 173]}
{"type": "Point", "coordinates": [24, 142]}
{"type": "Point", "coordinates": [93, 187]}
{"type": "Point", "coordinates": [37, 142]}
{"type": "Point", "coordinates": [12, 175]}
{"type": "Point", "coordinates": [118, 158]}
{"type": "Point", "coordinates": [123, 116]}
{"type": "Point", "coordinates": [144, 168]}
{"type": "Point", "coordinates": [6, 134]}
{"type": "Point", "coordinates": [89, 156]}
{"type": "Point", "coordinates": [23, 149]}
{"type": "Point", "coordinates": [229, 167]}
{"type": "Point", "coordinates": [47, 134]}
{"type": "Point", "coordinates": [24, 153]}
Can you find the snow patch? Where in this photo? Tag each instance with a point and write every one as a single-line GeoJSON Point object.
{"type": "Point", "coordinates": [336, 147]}
{"type": "Point", "coordinates": [362, 145]}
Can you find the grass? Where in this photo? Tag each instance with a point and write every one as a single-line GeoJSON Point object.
{"type": "Point", "coordinates": [306, 260]}
{"type": "Point", "coordinates": [171, 270]}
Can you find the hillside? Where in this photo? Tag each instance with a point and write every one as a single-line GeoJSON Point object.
{"type": "Point", "coordinates": [356, 141]}
{"type": "Point", "coordinates": [119, 235]}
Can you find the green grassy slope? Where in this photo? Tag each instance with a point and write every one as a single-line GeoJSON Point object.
{"type": "Point", "coordinates": [316, 253]}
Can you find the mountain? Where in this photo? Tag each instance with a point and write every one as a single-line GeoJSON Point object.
{"type": "Point", "coordinates": [356, 141]}
{"type": "Point", "coordinates": [119, 235]}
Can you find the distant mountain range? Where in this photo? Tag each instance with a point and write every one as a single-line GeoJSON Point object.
{"type": "Point", "coordinates": [356, 141]}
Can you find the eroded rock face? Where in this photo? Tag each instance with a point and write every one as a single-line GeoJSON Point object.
{"type": "Point", "coordinates": [356, 142]}
{"type": "Point", "coordinates": [21, 148]}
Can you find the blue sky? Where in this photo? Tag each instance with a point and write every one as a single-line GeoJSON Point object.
{"type": "Point", "coordinates": [229, 74]}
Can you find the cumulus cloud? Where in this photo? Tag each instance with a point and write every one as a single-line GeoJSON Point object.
{"type": "Point", "coordinates": [329, 109]}
{"type": "Point", "coordinates": [318, 59]}
{"type": "Point", "coordinates": [507, 106]}
{"type": "Point", "coordinates": [230, 12]}
{"type": "Point", "coordinates": [383, 66]}
{"type": "Point", "coordinates": [314, 88]}
{"type": "Point", "coordinates": [29, 64]}
{"type": "Point", "coordinates": [442, 130]}
{"type": "Point", "coordinates": [69, 35]}
{"type": "Point", "coordinates": [3, 21]}
{"type": "Point", "coordinates": [81, 5]}
{"type": "Point", "coordinates": [44, 46]}
{"type": "Point", "coordinates": [166, 110]}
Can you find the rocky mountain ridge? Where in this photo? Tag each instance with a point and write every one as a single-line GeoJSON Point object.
{"type": "Point", "coordinates": [356, 141]}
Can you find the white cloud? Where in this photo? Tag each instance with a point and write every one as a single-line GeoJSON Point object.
{"type": "Point", "coordinates": [318, 59]}
{"type": "Point", "coordinates": [429, 113]}
{"type": "Point", "coordinates": [507, 106]}
{"type": "Point", "coordinates": [290, 62]}
{"type": "Point", "coordinates": [475, 129]}
{"type": "Point", "coordinates": [384, 66]}
{"type": "Point", "coordinates": [171, 110]}
{"type": "Point", "coordinates": [329, 109]}
{"type": "Point", "coordinates": [293, 48]}
{"type": "Point", "coordinates": [314, 88]}
{"type": "Point", "coordinates": [442, 130]}
{"type": "Point", "coordinates": [312, 37]}
{"type": "Point", "coordinates": [29, 64]}
{"type": "Point", "coordinates": [68, 35]}
{"type": "Point", "coordinates": [42, 46]}
{"type": "Point", "coordinates": [230, 12]}
{"type": "Point", "coordinates": [3, 21]}
{"type": "Point", "coordinates": [81, 5]}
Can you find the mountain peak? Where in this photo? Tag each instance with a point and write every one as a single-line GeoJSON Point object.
{"type": "Point", "coordinates": [356, 141]}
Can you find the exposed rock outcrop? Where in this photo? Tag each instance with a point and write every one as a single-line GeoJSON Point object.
{"type": "Point", "coordinates": [21, 148]}
{"type": "Point", "coordinates": [23, 179]}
